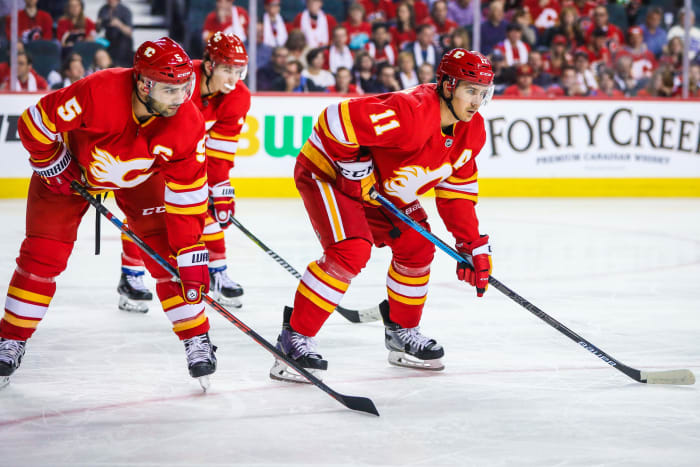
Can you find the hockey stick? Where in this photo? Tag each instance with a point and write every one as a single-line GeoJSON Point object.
{"type": "Point", "coordinates": [355, 316]}
{"type": "Point", "coordinates": [649, 377]}
{"type": "Point", "coordinates": [362, 404]}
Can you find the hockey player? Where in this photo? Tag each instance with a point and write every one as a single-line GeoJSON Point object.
{"type": "Point", "coordinates": [224, 100]}
{"type": "Point", "coordinates": [134, 131]}
{"type": "Point", "coordinates": [404, 144]}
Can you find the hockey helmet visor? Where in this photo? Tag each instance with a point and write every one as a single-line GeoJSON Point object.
{"type": "Point", "coordinates": [470, 66]}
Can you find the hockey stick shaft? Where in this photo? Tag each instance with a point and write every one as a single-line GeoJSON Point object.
{"type": "Point", "coordinates": [354, 316]}
{"type": "Point", "coordinates": [659, 377]}
{"type": "Point", "coordinates": [362, 404]}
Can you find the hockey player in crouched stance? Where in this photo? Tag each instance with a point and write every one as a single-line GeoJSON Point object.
{"type": "Point", "coordinates": [404, 144]}
{"type": "Point", "coordinates": [137, 133]}
{"type": "Point", "coordinates": [224, 100]}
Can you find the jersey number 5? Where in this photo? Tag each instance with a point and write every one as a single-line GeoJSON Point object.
{"type": "Point", "coordinates": [381, 128]}
{"type": "Point", "coordinates": [70, 110]}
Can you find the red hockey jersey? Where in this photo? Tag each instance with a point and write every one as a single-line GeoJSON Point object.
{"type": "Point", "coordinates": [94, 119]}
{"type": "Point", "coordinates": [224, 116]}
{"type": "Point", "coordinates": [397, 136]}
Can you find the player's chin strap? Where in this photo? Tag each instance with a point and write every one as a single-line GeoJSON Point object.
{"type": "Point", "coordinates": [206, 83]}
{"type": "Point", "coordinates": [448, 101]}
{"type": "Point", "coordinates": [147, 104]}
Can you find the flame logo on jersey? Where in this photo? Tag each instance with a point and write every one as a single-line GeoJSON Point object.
{"type": "Point", "coordinates": [112, 171]}
{"type": "Point", "coordinates": [408, 181]}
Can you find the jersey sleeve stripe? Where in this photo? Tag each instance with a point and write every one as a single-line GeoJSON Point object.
{"type": "Point", "coordinates": [216, 135]}
{"type": "Point", "coordinates": [190, 211]}
{"type": "Point", "coordinates": [222, 145]}
{"type": "Point", "coordinates": [335, 125]}
{"type": "Point", "coordinates": [178, 186]}
{"type": "Point", "coordinates": [318, 159]}
{"type": "Point", "coordinates": [347, 123]}
{"type": "Point", "coordinates": [472, 187]}
{"type": "Point", "coordinates": [38, 135]}
{"type": "Point", "coordinates": [219, 155]}
{"type": "Point", "coordinates": [447, 194]}
{"type": "Point", "coordinates": [186, 198]}
{"type": "Point", "coordinates": [323, 125]}
{"type": "Point", "coordinates": [454, 179]}
{"type": "Point", "coordinates": [39, 122]}
{"type": "Point", "coordinates": [48, 123]}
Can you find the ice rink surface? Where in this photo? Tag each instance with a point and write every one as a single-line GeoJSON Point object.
{"type": "Point", "coordinates": [104, 387]}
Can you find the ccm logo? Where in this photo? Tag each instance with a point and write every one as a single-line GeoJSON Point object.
{"type": "Point", "coordinates": [156, 210]}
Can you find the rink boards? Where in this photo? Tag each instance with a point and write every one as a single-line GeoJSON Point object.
{"type": "Point", "coordinates": [562, 147]}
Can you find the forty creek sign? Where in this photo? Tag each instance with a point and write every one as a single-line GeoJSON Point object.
{"type": "Point", "coordinates": [525, 139]}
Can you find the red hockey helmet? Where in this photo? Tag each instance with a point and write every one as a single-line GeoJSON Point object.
{"type": "Point", "coordinates": [464, 65]}
{"type": "Point", "coordinates": [164, 61]}
{"type": "Point", "coordinates": [226, 49]}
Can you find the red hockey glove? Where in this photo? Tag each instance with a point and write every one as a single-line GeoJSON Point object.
{"type": "Point", "coordinates": [416, 212]}
{"type": "Point", "coordinates": [58, 175]}
{"type": "Point", "coordinates": [223, 203]}
{"type": "Point", "coordinates": [480, 251]}
{"type": "Point", "coordinates": [192, 263]}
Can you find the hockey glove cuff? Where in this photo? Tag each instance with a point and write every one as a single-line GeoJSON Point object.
{"type": "Point", "coordinates": [480, 251]}
{"type": "Point", "coordinates": [192, 263]}
{"type": "Point", "coordinates": [223, 203]}
{"type": "Point", "coordinates": [58, 175]}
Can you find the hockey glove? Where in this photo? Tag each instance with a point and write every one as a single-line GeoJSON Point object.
{"type": "Point", "coordinates": [480, 251]}
{"type": "Point", "coordinates": [223, 203]}
{"type": "Point", "coordinates": [58, 175]}
{"type": "Point", "coordinates": [416, 212]}
{"type": "Point", "coordinates": [192, 263]}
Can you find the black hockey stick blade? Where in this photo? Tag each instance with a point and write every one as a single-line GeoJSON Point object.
{"type": "Point", "coordinates": [366, 315]}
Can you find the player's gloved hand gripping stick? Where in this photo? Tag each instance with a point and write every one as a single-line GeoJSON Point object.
{"type": "Point", "coordinates": [650, 377]}
{"type": "Point", "coordinates": [361, 404]}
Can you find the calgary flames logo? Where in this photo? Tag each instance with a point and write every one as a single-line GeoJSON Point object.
{"type": "Point", "coordinates": [408, 181]}
{"type": "Point", "coordinates": [110, 171]}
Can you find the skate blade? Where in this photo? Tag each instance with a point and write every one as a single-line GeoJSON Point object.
{"type": "Point", "coordinates": [228, 302]}
{"type": "Point", "coordinates": [4, 381]}
{"type": "Point", "coordinates": [204, 382]}
{"type": "Point", "coordinates": [409, 361]}
{"type": "Point", "coordinates": [132, 306]}
{"type": "Point", "coordinates": [280, 371]}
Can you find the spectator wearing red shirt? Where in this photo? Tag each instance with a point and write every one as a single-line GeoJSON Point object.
{"type": "Point", "coordinates": [227, 18]}
{"type": "Point", "coordinates": [405, 30]}
{"type": "Point", "coordinates": [420, 10]}
{"type": "Point", "coordinates": [343, 84]}
{"type": "Point", "coordinates": [558, 56]}
{"type": "Point", "coordinates": [606, 85]}
{"type": "Point", "coordinates": [74, 26]}
{"type": "Point", "coordinates": [693, 82]}
{"type": "Point", "coordinates": [438, 18]}
{"type": "Point", "coordinates": [568, 84]}
{"type": "Point", "coordinates": [600, 21]}
{"type": "Point", "coordinates": [315, 24]}
{"type": "Point", "coordinates": [380, 47]}
{"type": "Point", "coordinates": [32, 23]}
{"type": "Point", "coordinates": [378, 10]}
{"type": "Point", "coordinates": [513, 48]}
{"type": "Point", "coordinates": [358, 29]}
{"type": "Point", "coordinates": [545, 13]}
{"type": "Point", "coordinates": [29, 80]}
{"type": "Point", "coordinates": [643, 61]}
{"type": "Point", "coordinates": [598, 53]}
{"type": "Point", "coordinates": [523, 86]}
{"type": "Point", "coordinates": [583, 7]}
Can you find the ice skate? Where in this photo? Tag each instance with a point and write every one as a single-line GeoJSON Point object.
{"type": "Point", "coordinates": [223, 289]}
{"type": "Point", "coordinates": [11, 353]}
{"type": "Point", "coordinates": [201, 358]}
{"type": "Point", "coordinates": [299, 348]}
{"type": "Point", "coordinates": [408, 347]}
{"type": "Point", "coordinates": [133, 294]}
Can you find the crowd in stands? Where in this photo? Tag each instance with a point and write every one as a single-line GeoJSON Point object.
{"type": "Point", "coordinates": [538, 48]}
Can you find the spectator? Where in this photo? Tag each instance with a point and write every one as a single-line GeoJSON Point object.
{"type": "Point", "coordinates": [343, 84]}
{"type": "Point", "coordinates": [624, 80]}
{"type": "Point", "coordinates": [529, 32]}
{"type": "Point", "coordinates": [358, 29]}
{"type": "Point", "coordinates": [567, 27]}
{"type": "Point", "coordinates": [72, 70]}
{"type": "Point", "coordinates": [558, 56]}
{"type": "Point", "coordinates": [458, 39]}
{"type": "Point", "coordinates": [338, 54]}
{"type": "Point", "coordinates": [568, 84]}
{"type": "Point", "coordinates": [297, 46]}
{"type": "Point", "coordinates": [115, 19]}
{"type": "Point", "coordinates": [523, 86]}
{"type": "Point", "coordinates": [32, 23]}
{"type": "Point", "coordinates": [600, 22]}
{"type": "Point", "coordinates": [315, 24]}
{"type": "Point", "coordinates": [420, 10]}
{"type": "Point", "coordinates": [598, 53]}
{"type": "Point", "coordinates": [673, 54]}
{"type": "Point", "coordinates": [379, 10]}
{"type": "Point", "coordinates": [426, 74]}
{"type": "Point", "coordinates": [271, 77]}
{"type": "Point", "coordinates": [74, 26]}
{"type": "Point", "coordinates": [461, 12]}
{"type": "Point", "coordinates": [513, 48]}
{"type": "Point", "coordinates": [438, 18]}
{"type": "Point", "coordinates": [661, 84]}
{"type": "Point", "coordinates": [539, 77]}
{"type": "Point", "coordinates": [407, 70]}
{"type": "Point", "coordinates": [693, 82]}
{"type": "Point", "coordinates": [274, 29]}
{"type": "Point", "coordinates": [654, 34]}
{"type": "Point", "coordinates": [643, 61]}
{"type": "Point", "coordinates": [678, 30]}
{"type": "Point", "coordinates": [318, 78]}
{"type": "Point", "coordinates": [503, 76]}
{"type": "Point", "coordinates": [100, 61]}
{"type": "Point", "coordinates": [29, 80]}
{"type": "Point", "coordinates": [362, 72]}
{"type": "Point", "coordinates": [386, 78]}
{"type": "Point", "coordinates": [584, 73]}
{"type": "Point", "coordinates": [227, 18]}
{"type": "Point", "coordinates": [583, 7]}
{"type": "Point", "coordinates": [423, 49]}
{"type": "Point", "coordinates": [294, 81]}
{"type": "Point", "coordinates": [606, 84]}
{"type": "Point", "coordinates": [493, 30]}
{"type": "Point", "coordinates": [544, 13]}
{"type": "Point", "coordinates": [380, 47]}
{"type": "Point", "coordinates": [405, 29]}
